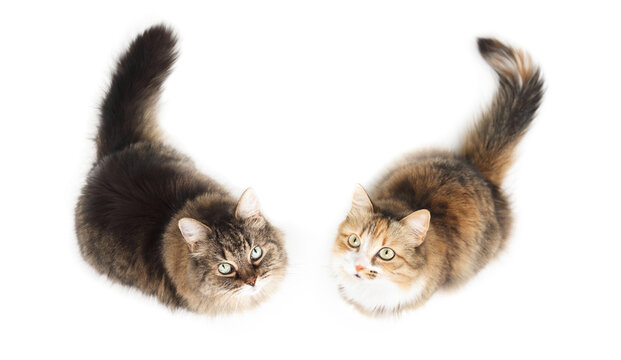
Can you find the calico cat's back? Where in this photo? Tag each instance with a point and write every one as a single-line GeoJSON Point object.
{"type": "Point", "coordinates": [467, 212]}
{"type": "Point", "coordinates": [462, 189]}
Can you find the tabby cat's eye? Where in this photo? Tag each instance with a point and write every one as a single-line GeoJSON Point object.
{"type": "Point", "coordinates": [225, 268]}
{"type": "Point", "coordinates": [256, 253]}
{"type": "Point", "coordinates": [353, 241]}
{"type": "Point", "coordinates": [386, 253]}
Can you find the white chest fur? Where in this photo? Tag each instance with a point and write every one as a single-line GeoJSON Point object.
{"type": "Point", "coordinates": [380, 294]}
{"type": "Point", "coordinates": [376, 294]}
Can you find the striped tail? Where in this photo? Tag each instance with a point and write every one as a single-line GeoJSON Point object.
{"type": "Point", "coordinates": [490, 145]}
{"type": "Point", "coordinates": [128, 110]}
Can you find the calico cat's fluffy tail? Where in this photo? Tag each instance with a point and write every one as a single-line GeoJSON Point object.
{"type": "Point", "coordinates": [127, 112]}
{"type": "Point", "coordinates": [490, 144]}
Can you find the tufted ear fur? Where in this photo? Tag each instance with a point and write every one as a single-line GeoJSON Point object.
{"type": "Point", "coordinates": [418, 223]}
{"type": "Point", "coordinates": [248, 207]}
{"type": "Point", "coordinates": [360, 202]}
{"type": "Point", "coordinates": [193, 231]}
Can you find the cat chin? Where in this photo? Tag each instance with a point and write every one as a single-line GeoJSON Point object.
{"type": "Point", "coordinates": [377, 296]}
{"type": "Point", "coordinates": [244, 298]}
{"type": "Point", "coordinates": [253, 291]}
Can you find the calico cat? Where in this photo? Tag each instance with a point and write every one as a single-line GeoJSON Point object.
{"type": "Point", "coordinates": [148, 219]}
{"type": "Point", "coordinates": [438, 217]}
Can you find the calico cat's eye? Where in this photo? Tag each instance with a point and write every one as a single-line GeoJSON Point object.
{"type": "Point", "coordinates": [225, 269]}
{"type": "Point", "coordinates": [386, 253]}
{"type": "Point", "coordinates": [353, 240]}
{"type": "Point", "coordinates": [256, 253]}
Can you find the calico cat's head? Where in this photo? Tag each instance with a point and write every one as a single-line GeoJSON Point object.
{"type": "Point", "coordinates": [236, 261]}
{"type": "Point", "coordinates": [378, 261]}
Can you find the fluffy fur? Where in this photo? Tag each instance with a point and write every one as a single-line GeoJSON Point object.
{"type": "Point", "coordinates": [442, 213]}
{"type": "Point", "coordinates": [148, 219]}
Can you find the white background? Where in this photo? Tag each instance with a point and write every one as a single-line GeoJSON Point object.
{"type": "Point", "coordinates": [301, 101]}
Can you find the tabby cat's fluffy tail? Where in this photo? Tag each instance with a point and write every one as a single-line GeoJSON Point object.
{"type": "Point", "coordinates": [127, 112]}
{"type": "Point", "coordinates": [490, 144]}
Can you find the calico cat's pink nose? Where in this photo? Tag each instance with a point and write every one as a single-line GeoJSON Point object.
{"type": "Point", "coordinates": [250, 281]}
{"type": "Point", "coordinates": [359, 268]}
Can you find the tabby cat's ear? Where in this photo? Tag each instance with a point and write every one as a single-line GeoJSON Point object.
{"type": "Point", "coordinates": [193, 231]}
{"type": "Point", "coordinates": [418, 223]}
{"type": "Point", "coordinates": [360, 202]}
{"type": "Point", "coordinates": [248, 206]}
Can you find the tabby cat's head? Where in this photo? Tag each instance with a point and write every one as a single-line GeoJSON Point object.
{"type": "Point", "coordinates": [378, 260]}
{"type": "Point", "coordinates": [237, 261]}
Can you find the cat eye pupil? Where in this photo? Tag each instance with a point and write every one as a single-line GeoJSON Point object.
{"type": "Point", "coordinates": [386, 253]}
{"type": "Point", "coordinates": [224, 268]}
{"type": "Point", "coordinates": [353, 241]}
{"type": "Point", "coordinates": [256, 253]}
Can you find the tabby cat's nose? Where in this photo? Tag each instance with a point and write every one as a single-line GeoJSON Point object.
{"type": "Point", "coordinates": [359, 268]}
{"type": "Point", "coordinates": [251, 280]}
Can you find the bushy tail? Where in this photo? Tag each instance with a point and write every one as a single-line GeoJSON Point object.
{"type": "Point", "coordinates": [490, 144]}
{"type": "Point", "coordinates": [128, 109]}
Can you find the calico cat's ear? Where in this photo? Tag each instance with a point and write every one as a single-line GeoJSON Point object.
{"type": "Point", "coordinates": [248, 206]}
{"type": "Point", "coordinates": [418, 222]}
{"type": "Point", "coordinates": [193, 231]}
{"type": "Point", "coordinates": [360, 202]}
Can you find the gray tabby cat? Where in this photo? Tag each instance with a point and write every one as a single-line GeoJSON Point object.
{"type": "Point", "coordinates": [148, 219]}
